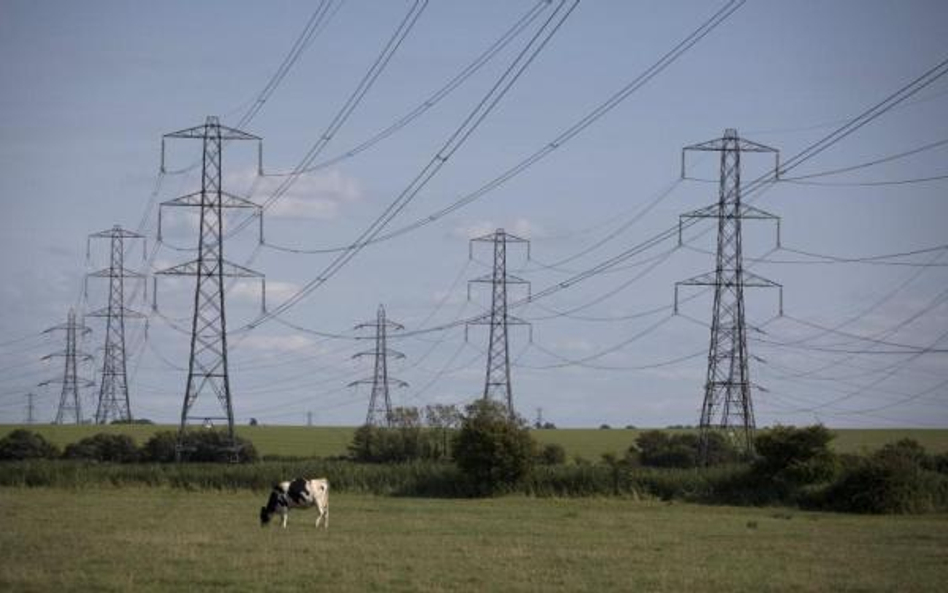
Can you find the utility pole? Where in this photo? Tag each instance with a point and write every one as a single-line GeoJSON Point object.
{"type": "Point", "coordinates": [207, 365]}
{"type": "Point", "coordinates": [30, 408]}
{"type": "Point", "coordinates": [309, 419]}
{"type": "Point", "coordinates": [497, 381]}
{"type": "Point", "coordinates": [114, 402]}
{"type": "Point", "coordinates": [728, 406]}
{"type": "Point", "coordinates": [69, 401]}
{"type": "Point", "coordinates": [380, 402]}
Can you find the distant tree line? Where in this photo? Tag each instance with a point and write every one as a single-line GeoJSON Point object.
{"type": "Point", "coordinates": [200, 446]}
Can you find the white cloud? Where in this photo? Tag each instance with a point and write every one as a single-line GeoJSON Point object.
{"type": "Point", "coordinates": [276, 344]}
{"type": "Point", "coordinates": [521, 227]}
{"type": "Point", "coordinates": [318, 195]}
{"type": "Point", "coordinates": [249, 291]}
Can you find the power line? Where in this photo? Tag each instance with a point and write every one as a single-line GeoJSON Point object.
{"type": "Point", "coordinates": [565, 136]}
{"type": "Point", "coordinates": [355, 98]}
{"type": "Point", "coordinates": [457, 139]}
{"type": "Point", "coordinates": [909, 181]}
{"type": "Point", "coordinates": [871, 163]}
{"type": "Point", "coordinates": [430, 101]}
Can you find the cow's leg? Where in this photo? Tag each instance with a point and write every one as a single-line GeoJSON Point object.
{"type": "Point", "coordinates": [285, 514]}
{"type": "Point", "coordinates": [326, 518]}
{"type": "Point", "coordinates": [319, 515]}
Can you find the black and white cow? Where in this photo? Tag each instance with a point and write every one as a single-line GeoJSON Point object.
{"type": "Point", "coordinates": [300, 493]}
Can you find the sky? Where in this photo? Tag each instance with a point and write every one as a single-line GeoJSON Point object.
{"type": "Point", "coordinates": [88, 89]}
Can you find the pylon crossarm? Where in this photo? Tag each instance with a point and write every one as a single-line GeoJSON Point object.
{"type": "Point", "coordinates": [730, 144]}
{"type": "Point", "coordinates": [706, 279]}
{"type": "Point", "coordinates": [228, 200]}
{"type": "Point", "coordinates": [706, 212]}
{"type": "Point", "coordinates": [126, 312]}
{"type": "Point", "coordinates": [111, 273]}
{"type": "Point", "coordinates": [79, 381]}
{"type": "Point", "coordinates": [116, 232]}
{"type": "Point", "coordinates": [201, 131]}
{"type": "Point", "coordinates": [752, 280]}
{"type": "Point", "coordinates": [191, 268]}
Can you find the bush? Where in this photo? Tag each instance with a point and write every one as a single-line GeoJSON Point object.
{"type": "Point", "coordinates": [405, 440]}
{"type": "Point", "coordinates": [24, 444]}
{"type": "Point", "coordinates": [552, 454]}
{"type": "Point", "coordinates": [660, 449]}
{"type": "Point", "coordinates": [199, 446]}
{"type": "Point", "coordinates": [375, 444]}
{"type": "Point", "coordinates": [493, 451]}
{"type": "Point", "coordinates": [160, 448]}
{"type": "Point", "coordinates": [795, 456]}
{"type": "Point", "coordinates": [118, 448]}
{"type": "Point", "coordinates": [898, 478]}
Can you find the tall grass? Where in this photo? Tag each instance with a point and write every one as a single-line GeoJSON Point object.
{"type": "Point", "coordinates": [433, 479]}
{"type": "Point", "coordinates": [428, 479]}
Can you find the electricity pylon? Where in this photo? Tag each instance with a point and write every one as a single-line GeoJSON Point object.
{"type": "Point", "coordinates": [69, 401]}
{"type": "Point", "coordinates": [497, 384]}
{"type": "Point", "coordinates": [30, 408]}
{"type": "Point", "coordinates": [380, 402]}
{"type": "Point", "coordinates": [728, 406]}
{"type": "Point", "coordinates": [114, 402]}
{"type": "Point", "coordinates": [207, 366]}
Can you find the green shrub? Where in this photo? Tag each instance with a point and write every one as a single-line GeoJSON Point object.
{"type": "Point", "coordinates": [552, 454]}
{"type": "Point", "coordinates": [894, 479]}
{"type": "Point", "coordinates": [374, 444]}
{"type": "Point", "coordinates": [160, 448]}
{"type": "Point", "coordinates": [24, 444]}
{"type": "Point", "coordinates": [795, 456]}
{"type": "Point", "coordinates": [200, 446]}
{"type": "Point", "coordinates": [493, 451]}
{"type": "Point", "coordinates": [118, 448]}
{"type": "Point", "coordinates": [659, 449]}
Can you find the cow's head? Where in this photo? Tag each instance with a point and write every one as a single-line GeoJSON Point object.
{"type": "Point", "coordinates": [264, 516]}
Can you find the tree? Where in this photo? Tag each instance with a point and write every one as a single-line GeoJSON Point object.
{"type": "Point", "coordinates": [492, 450]}
{"type": "Point", "coordinates": [117, 448]}
{"type": "Point", "coordinates": [552, 454]}
{"type": "Point", "coordinates": [443, 418]}
{"type": "Point", "coordinates": [660, 449]}
{"type": "Point", "coordinates": [24, 444]}
{"type": "Point", "coordinates": [201, 445]}
{"type": "Point", "coordinates": [790, 456]}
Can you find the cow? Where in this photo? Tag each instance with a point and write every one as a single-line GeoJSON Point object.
{"type": "Point", "coordinates": [300, 493]}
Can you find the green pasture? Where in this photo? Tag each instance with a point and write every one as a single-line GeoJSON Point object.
{"type": "Point", "coordinates": [173, 540]}
{"type": "Point", "coordinates": [588, 443]}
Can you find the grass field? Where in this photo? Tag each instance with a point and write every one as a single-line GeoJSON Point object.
{"type": "Point", "coordinates": [171, 540]}
{"type": "Point", "coordinates": [589, 443]}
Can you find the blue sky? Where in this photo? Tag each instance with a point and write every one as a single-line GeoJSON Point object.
{"type": "Point", "coordinates": [87, 90]}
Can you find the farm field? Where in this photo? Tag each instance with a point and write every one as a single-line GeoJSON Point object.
{"type": "Point", "coordinates": [166, 540]}
{"type": "Point", "coordinates": [588, 443]}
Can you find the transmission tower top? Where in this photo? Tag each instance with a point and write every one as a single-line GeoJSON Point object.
{"type": "Point", "coordinates": [497, 383]}
{"type": "Point", "coordinates": [212, 128]}
{"type": "Point", "coordinates": [208, 372]}
{"type": "Point", "coordinates": [728, 408]}
{"type": "Point", "coordinates": [380, 401]}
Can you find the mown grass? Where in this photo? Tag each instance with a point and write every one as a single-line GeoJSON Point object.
{"type": "Point", "coordinates": [170, 540]}
{"type": "Point", "coordinates": [587, 443]}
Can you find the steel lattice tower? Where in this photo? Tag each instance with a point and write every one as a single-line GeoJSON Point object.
{"type": "Point", "coordinates": [497, 383]}
{"type": "Point", "coordinates": [380, 402]}
{"type": "Point", "coordinates": [207, 366]}
{"type": "Point", "coordinates": [728, 406]}
{"type": "Point", "coordinates": [30, 408]}
{"type": "Point", "coordinates": [114, 402]}
{"type": "Point", "coordinates": [69, 400]}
